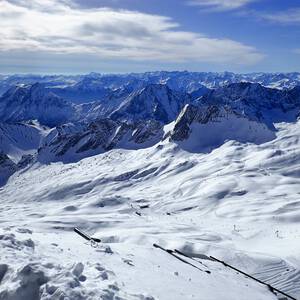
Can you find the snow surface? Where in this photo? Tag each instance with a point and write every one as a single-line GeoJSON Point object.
{"type": "Point", "coordinates": [239, 202]}
{"type": "Point", "coordinates": [224, 127]}
{"type": "Point", "coordinates": [20, 139]}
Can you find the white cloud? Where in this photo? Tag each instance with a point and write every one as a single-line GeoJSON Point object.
{"type": "Point", "coordinates": [221, 5]}
{"type": "Point", "coordinates": [291, 16]}
{"type": "Point", "coordinates": [53, 26]}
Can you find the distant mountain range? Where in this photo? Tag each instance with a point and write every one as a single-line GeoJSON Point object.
{"type": "Point", "coordinates": [28, 102]}
{"type": "Point", "coordinates": [53, 118]}
{"type": "Point", "coordinates": [94, 86]}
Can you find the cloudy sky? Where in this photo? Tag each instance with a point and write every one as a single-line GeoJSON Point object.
{"type": "Point", "coordinates": [80, 36]}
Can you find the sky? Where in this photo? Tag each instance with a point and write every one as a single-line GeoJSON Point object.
{"type": "Point", "coordinates": [121, 36]}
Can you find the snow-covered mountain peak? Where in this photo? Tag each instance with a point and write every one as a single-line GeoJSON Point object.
{"type": "Point", "coordinates": [34, 102]}
{"type": "Point", "coordinates": [243, 90]}
{"type": "Point", "coordinates": [152, 161]}
{"type": "Point", "coordinates": [155, 101]}
{"type": "Point", "coordinates": [155, 88]}
{"type": "Point", "coordinates": [256, 102]}
{"type": "Point", "coordinates": [203, 128]}
{"type": "Point", "coordinates": [14, 93]}
{"type": "Point", "coordinates": [72, 142]}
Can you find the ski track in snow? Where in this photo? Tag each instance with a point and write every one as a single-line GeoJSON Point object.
{"type": "Point", "coordinates": [239, 203]}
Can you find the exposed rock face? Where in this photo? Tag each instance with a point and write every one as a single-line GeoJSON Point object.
{"type": "Point", "coordinates": [6, 162]}
{"type": "Point", "coordinates": [103, 134]}
{"type": "Point", "coordinates": [35, 102]}
{"type": "Point", "coordinates": [195, 114]}
{"type": "Point", "coordinates": [254, 100]}
{"type": "Point", "coordinates": [154, 102]}
{"type": "Point", "coordinates": [146, 131]}
{"type": "Point", "coordinates": [203, 128]}
{"type": "Point", "coordinates": [134, 119]}
{"type": "Point", "coordinates": [295, 95]}
{"type": "Point", "coordinates": [199, 92]}
{"type": "Point", "coordinates": [70, 143]}
{"type": "Point", "coordinates": [7, 168]}
{"type": "Point", "coordinates": [25, 160]}
{"type": "Point", "coordinates": [94, 86]}
{"type": "Point", "coordinates": [20, 138]}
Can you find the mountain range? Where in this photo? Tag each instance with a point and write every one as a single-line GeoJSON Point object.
{"type": "Point", "coordinates": [93, 86]}
{"type": "Point", "coordinates": [205, 163]}
{"type": "Point", "coordinates": [198, 111]}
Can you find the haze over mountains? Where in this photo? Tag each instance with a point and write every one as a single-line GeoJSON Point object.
{"type": "Point", "coordinates": [209, 161]}
{"type": "Point", "coordinates": [83, 88]}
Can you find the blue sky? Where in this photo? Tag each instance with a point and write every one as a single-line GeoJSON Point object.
{"type": "Point", "coordinates": [80, 36]}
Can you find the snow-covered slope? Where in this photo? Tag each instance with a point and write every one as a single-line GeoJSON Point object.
{"type": "Point", "coordinates": [238, 203]}
{"type": "Point", "coordinates": [19, 144]}
{"type": "Point", "coordinates": [19, 139]}
{"type": "Point", "coordinates": [201, 129]}
{"type": "Point", "coordinates": [256, 95]}
{"type": "Point", "coordinates": [155, 102]}
{"type": "Point", "coordinates": [221, 178]}
{"type": "Point", "coordinates": [73, 142]}
{"type": "Point", "coordinates": [243, 112]}
{"type": "Point", "coordinates": [34, 102]}
{"type": "Point", "coordinates": [85, 90]}
{"type": "Point", "coordinates": [257, 102]}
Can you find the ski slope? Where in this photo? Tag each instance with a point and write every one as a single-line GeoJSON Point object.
{"type": "Point", "coordinates": [239, 202]}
